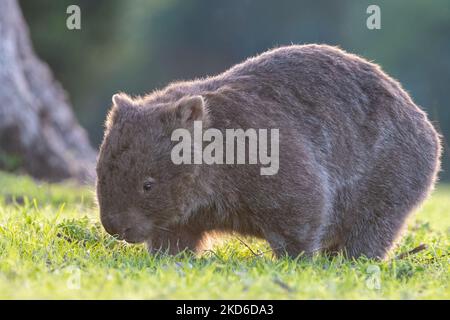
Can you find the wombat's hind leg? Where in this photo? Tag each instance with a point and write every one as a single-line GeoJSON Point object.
{"type": "Point", "coordinates": [399, 182]}
{"type": "Point", "coordinates": [379, 218]}
{"type": "Point", "coordinates": [373, 238]}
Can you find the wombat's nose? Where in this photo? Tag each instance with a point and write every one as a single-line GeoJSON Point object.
{"type": "Point", "coordinates": [109, 226]}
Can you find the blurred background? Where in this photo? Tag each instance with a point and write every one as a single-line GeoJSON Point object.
{"type": "Point", "coordinates": [136, 46]}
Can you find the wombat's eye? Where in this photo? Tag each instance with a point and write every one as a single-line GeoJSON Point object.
{"type": "Point", "coordinates": [148, 185]}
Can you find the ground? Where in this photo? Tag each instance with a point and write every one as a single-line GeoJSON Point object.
{"type": "Point", "coordinates": [52, 246]}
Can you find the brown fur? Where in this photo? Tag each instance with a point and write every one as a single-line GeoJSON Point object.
{"type": "Point", "coordinates": [356, 157]}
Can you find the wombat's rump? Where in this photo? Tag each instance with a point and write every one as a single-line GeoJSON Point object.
{"type": "Point", "coordinates": [356, 156]}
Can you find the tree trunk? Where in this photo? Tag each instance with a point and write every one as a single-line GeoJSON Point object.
{"type": "Point", "coordinates": [37, 125]}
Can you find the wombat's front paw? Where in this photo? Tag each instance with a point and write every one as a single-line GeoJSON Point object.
{"type": "Point", "coordinates": [168, 245]}
{"type": "Point", "coordinates": [173, 243]}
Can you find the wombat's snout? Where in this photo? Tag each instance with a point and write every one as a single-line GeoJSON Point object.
{"type": "Point", "coordinates": [130, 232]}
{"type": "Point", "coordinates": [113, 227]}
{"type": "Point", "coordinates": [110, 227]}
{"type": "Point", "coordinates": [117, 232]}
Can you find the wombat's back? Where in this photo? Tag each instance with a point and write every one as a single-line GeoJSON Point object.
{"type": "Point", "coordinates": [348, 107]}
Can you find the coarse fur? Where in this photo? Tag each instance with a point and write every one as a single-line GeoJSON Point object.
{"type": "Point", "coordinates": [357, 156]}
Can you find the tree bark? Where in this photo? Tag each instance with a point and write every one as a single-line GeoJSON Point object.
{"type": "Point", "coordinates": [37, 124]}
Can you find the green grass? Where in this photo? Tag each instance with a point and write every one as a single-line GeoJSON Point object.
{"type": "Point", "coordinates": [52, 246]}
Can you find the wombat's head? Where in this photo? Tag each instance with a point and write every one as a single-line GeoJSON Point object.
{"type": "Point", "coordinates": [139, 189]}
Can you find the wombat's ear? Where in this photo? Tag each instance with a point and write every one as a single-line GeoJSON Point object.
{"type": "Point", "coordinates": [122, 104]}
{"type": "Point", "coordinates": [190, 109]}
{"type": "Point", "coordinates": [121, 100]}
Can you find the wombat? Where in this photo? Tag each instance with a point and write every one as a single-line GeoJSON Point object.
{"type": "Point", "coordinates": [356, 157]}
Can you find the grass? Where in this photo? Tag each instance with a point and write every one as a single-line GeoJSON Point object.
{"type": "Point", "coordinates": [52, 246]}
